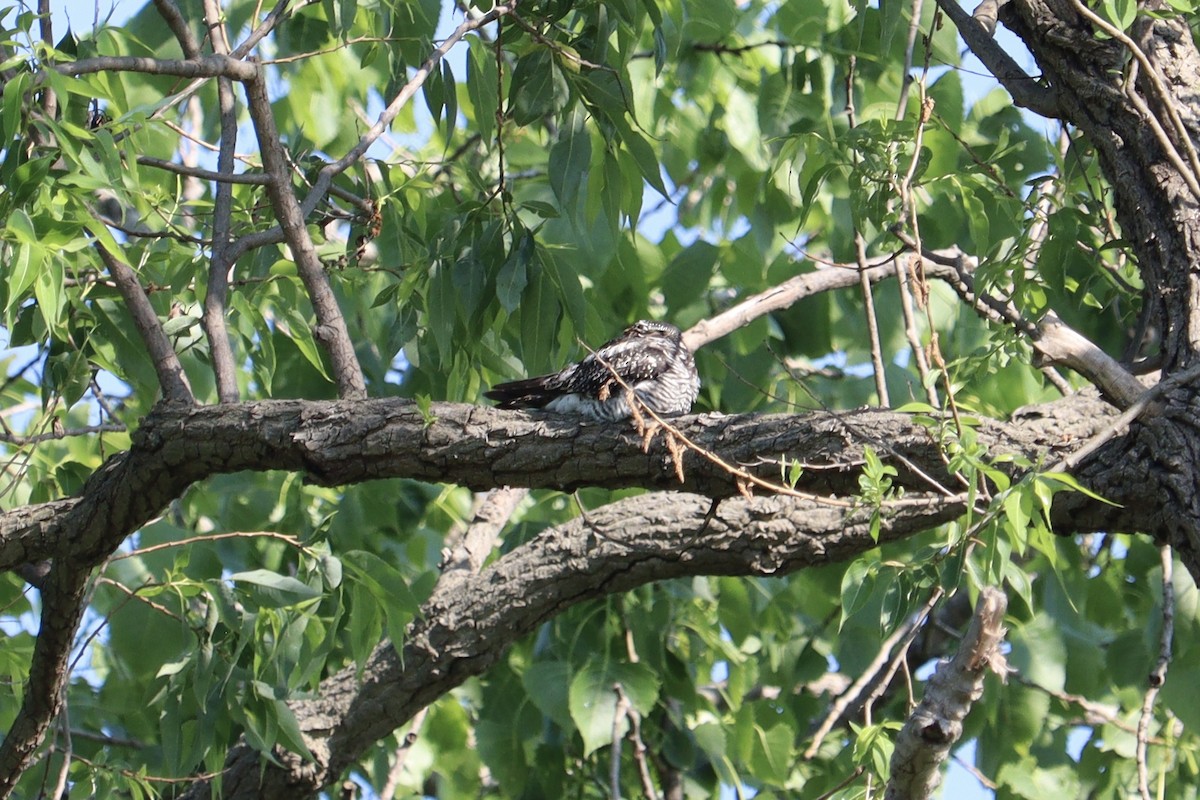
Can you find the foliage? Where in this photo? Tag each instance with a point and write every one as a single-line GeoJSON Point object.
{"type": "Point", "coordinates": [580, 166]}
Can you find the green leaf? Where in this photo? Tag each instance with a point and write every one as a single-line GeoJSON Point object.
{"type": "Point", "coordinates": [643, 154]}
{"type": "Point", "coordinates": [858, 584]}
{"type": "Point", "coordinates": [547, 683]}
{"type": "Point", "coordinates": [14, 95]}
{"type": "Point", "coordinates": [592, 699]}
{"type": "Point", "coordinates": [538, 87]}
{"type": "Point", "coordinates": [482, 87]}
{"type": "Point", "coordinates": [568, 166]}
{"type": "Point", "coordinates": [511, 281]}
{"type": "Point", "coordinates": [687, 276]}
{"type": "Point", "coordinates": [771, 752]}
{"type": "Point", "coordinates": [272, 590]}
{"type": "Point", "coordinates": [300, 332]}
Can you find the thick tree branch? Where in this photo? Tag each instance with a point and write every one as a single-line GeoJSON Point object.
{"type": "Point", "coordinates": [465, 628]}
{"type": "Point", "coordinates": [171, 378]}
{"type": "Point", "coordinates": [331, 328]}
{"type": "Point", "coordinates": [936, 724]}
{"type": "Point", "coordinates": [341, 442]}
{"type": "Point", "coordinates": [62, 592]}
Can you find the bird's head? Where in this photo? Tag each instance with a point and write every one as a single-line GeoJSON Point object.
{"type": "Point", "coordinates": [648, 328]}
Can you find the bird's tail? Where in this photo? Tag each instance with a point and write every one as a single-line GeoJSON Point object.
{"type": "Point", "coordinates": [528, 393]}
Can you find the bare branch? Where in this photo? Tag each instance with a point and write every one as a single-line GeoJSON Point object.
{"type": "Point", "coordinates": [253, 178]}
{"type": "Point", "coordinates": [204, 67]}
{"type": "Point", "coordinates": [936, 724]}
{"type": "Point", "coordinates": [1025, 90]}
{"type": "Point", "coordinates": [171, 378]}
{"type": "Point", "coordinates": [215, 330]}
{"type": "Point", "coordinates": [1158, 676]}
{"type": "Point", "coordinates": [331, 328]}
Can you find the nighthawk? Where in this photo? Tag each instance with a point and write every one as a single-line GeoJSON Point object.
{"type": "Point", "coordinates": [650, 357]}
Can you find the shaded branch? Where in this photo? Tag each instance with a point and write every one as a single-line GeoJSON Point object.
{"type": "Point", "coordinates": [178, 25]}
{"type": "Point", "coordinates": [215, 299]}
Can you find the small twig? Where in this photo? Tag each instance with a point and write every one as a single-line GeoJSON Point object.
{"type": "Point", "coordinates": [253, 178]}
{"type": "Point", "coordinates": [860, 253]}
{"type": "Point", "coordinates": [210, 537]}
{"type": "Point", "coordinates": [388, 792]}
{"type": "Point", "coordinates": [20, 441]}
{"type": "Point", "coordinates": [619, 716]}
{"type": "Point", "coordinates": [64, 727]}
{"type": "Point", "coordinates": [1158, 675]}
{"type": "Point", "coordinates": [849, 779]}
{"type": "Point", "coordinates": [904, 631]}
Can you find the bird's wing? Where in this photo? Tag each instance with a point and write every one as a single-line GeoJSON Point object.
{"type": "Point", "coordinates": [633, 360]}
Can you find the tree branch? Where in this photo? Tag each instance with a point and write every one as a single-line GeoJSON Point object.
{"type": "Point", "coordinates": [1025, 90]}
{"type": "Point", "coordinates": [330, 329]}
{"type": "Point", "coordinates": [215, 299]}
{"type": "Point", "coordinates": [171, 378]}
{"type": "Point", "coordinates": [63, 591]}
{"type": "Point", "coordinates": [203, 67]}
{"type": "Point", "coordinates": [341, 442]}
{"type": "Point", "coordinates": [1053, 340]}
{"type": "Point", "coordinates": [936, 724]}
{"type": "Point", "coordinates": [178, 25]}
{"type": "Point", "coordinates": [253, 178]}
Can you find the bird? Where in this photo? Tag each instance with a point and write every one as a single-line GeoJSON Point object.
{"type": "Point", "coordinates": [649, 357]}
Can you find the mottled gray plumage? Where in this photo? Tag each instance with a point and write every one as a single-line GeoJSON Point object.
{"type": "Point", "coordinates": [650, 357]}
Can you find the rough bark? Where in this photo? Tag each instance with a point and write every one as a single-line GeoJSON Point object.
{"type": "Point", "coordinates": [338, 442]}
{"type": "Point", "coordinates": [936, 725]}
